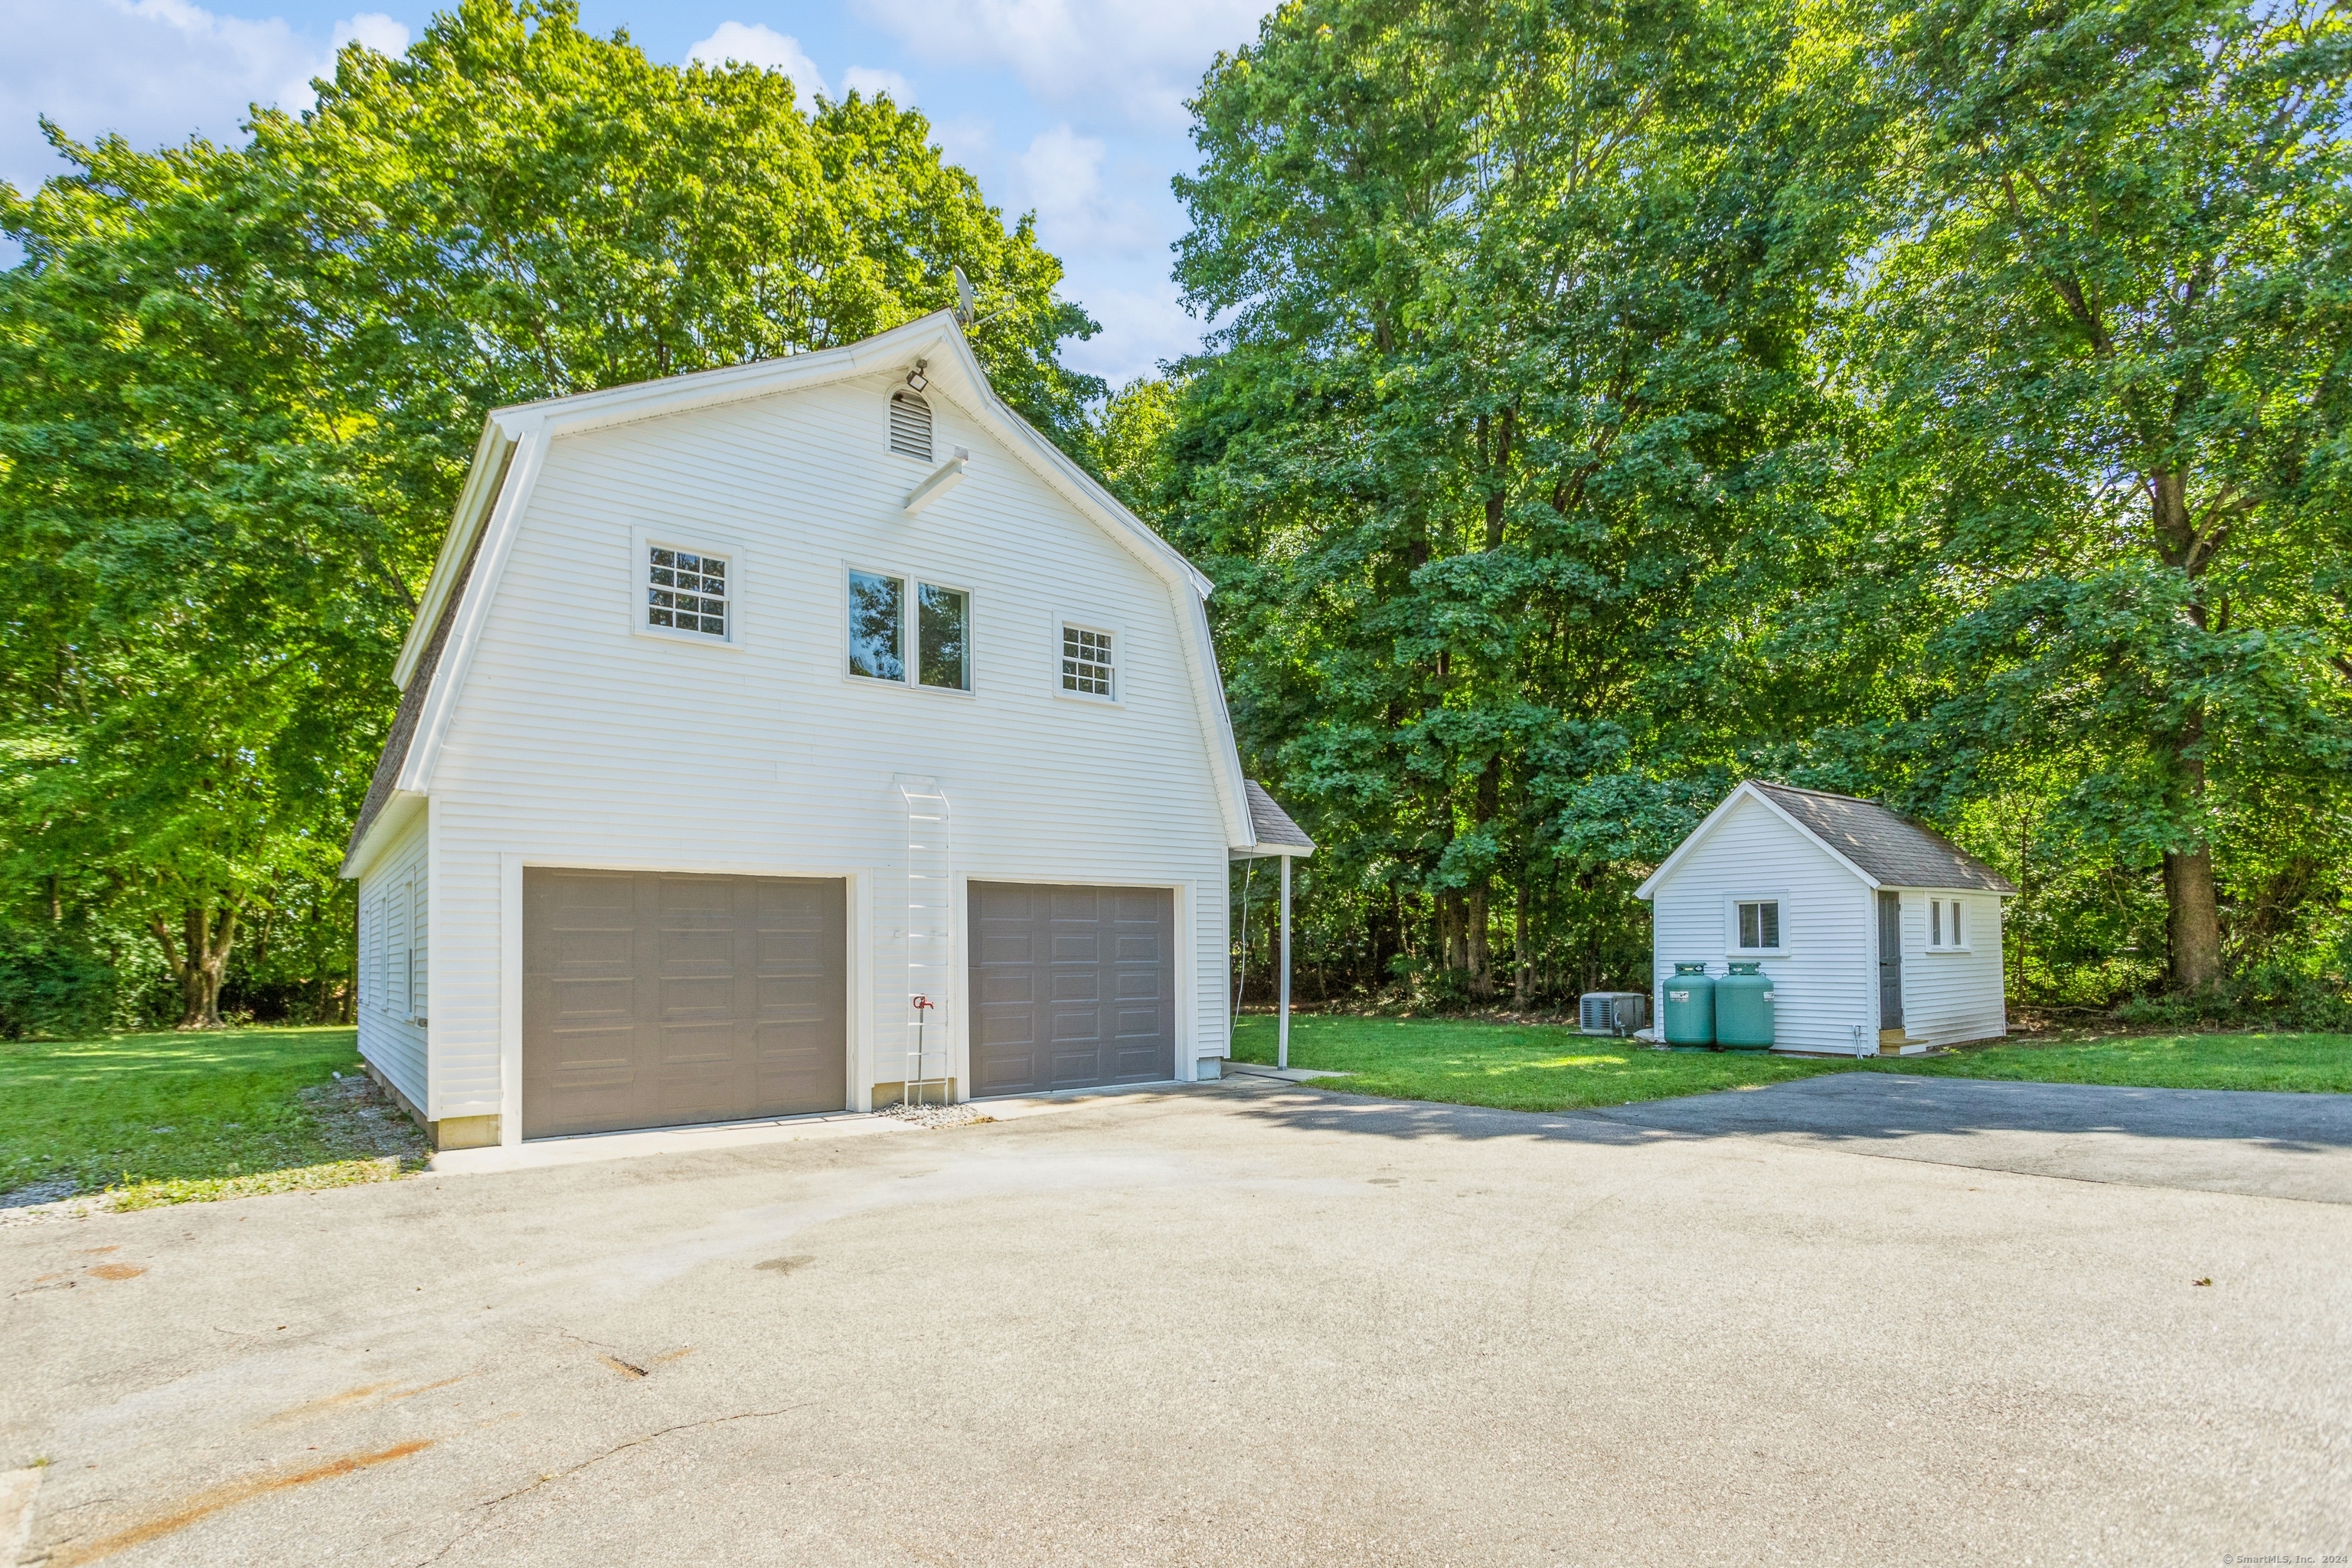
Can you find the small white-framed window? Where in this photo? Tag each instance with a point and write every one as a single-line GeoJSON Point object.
{"type": "Point", "coordinates": [910, 425]}
{"type": "Point", "coordinates": [1946, 927]}
{"type": "Point", "coordinates": [1756, 925]}
{"type": "Point", "coordinates": [1089, 661]}
{"type": "Point", "coordinates": [909, 632]}
{"type": "Point", "coordinates": [686, 586]}
{"type": "Point", "coordinates": [685, 591]}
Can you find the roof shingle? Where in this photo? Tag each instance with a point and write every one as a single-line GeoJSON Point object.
{"type": "Point", "coordinates": [1269, 824]}
{"type": "Point", "coordinates": [1892, 850]}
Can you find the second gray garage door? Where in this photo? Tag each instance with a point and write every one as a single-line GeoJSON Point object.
{"type": "Point", "coordinates": [1071, 987]}
{"type": "Point", "coordinates": [652, 1000]}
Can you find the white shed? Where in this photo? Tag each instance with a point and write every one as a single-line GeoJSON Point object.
{"type": "Point", "coordinates": [1874, 930]}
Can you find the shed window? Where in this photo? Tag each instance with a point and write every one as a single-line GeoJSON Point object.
{"type": "Point", "coordinates": [1085, 661]}
{"type": "Point", "coordinates": [1760, 924]}
{"type": "Point", "coordinates": [1944, 924]}
{"type": "Point", "coordinates": [685, 591]}
{"type": "Point", "coordinates": [910, 426]}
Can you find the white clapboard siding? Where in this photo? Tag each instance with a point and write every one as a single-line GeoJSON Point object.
{"type": "Point", "coordinates": [576, 740]}
{"type": "Point", "coordinates": [1950, 998]}
{"type": "Point", "coordinates": [394, 912]}
{"type": "Point", "coordinates": [1823, 988]}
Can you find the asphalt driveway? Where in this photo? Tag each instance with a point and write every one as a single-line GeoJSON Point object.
{"type": "Point", "coordinates": [1241, 1323]}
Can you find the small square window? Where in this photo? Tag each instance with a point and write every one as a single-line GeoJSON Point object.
{"type": "Point", "coordinates": [685, 591]}
{"type": "Point", "coordinates": [1760, 924]}
{"type": "Point", "coordinates": [1086, 665]}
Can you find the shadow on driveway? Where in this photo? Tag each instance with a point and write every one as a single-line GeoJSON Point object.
{"type": "Point", "coordinates": [2224, 1140]}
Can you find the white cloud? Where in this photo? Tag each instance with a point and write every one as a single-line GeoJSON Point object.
{"type": "Point", "coordinates": [875, 83]}
{"type": "Point", "coordinates": [1141, 328]}
{"type": "Point", "coordinates": [1131, 61]}
{"type": "Point", "coordinates": [756, 44]}
{"type": "Point", "coordinates": [154, 72]}
{"type": "Point", "coordinates": [1060, 177]}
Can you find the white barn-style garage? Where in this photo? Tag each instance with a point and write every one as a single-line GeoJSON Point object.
{"type": "Point", "coordinates": [1876, 932]}
{"type": "Point", "coordinates": [787, 739]}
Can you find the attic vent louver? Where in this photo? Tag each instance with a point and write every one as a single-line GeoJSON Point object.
{"type": "Point", "coordinates": [910, 426]}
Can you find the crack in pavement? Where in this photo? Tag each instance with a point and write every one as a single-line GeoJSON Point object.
{"type": "Point", "coordinates": [485, 1506]}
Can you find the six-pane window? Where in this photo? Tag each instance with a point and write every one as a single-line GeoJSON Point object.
{"type": "Point", "coordinates": [686, 592]}
{"type": "Point", "coordinates": [1085, 661]}
{"type": "Point", "coordinates": [1760, 924]}
{"type": "Point", "coordinates": [942, 655]}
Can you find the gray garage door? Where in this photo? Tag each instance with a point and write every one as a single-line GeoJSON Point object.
{"type": "Point", "coordinates": [651, 1000]}
{"type": "Point", "coordinates": [1071, 986]}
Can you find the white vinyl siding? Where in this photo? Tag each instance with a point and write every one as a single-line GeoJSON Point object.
{"type": "Point", "coordinates": [1823, 986]}
{"type": "Point", "coordinates": [394, 917]}
{"type": "Point", "coordinates": [1951, 996]}
{"type": "Point", "coordinates": [787, 765]}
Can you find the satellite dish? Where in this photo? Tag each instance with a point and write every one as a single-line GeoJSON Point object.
{"type": "Point", "coordinates": [963, 296]}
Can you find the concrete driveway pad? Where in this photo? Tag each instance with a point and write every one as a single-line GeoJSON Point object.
{"type": "Point", "coordinates": [1239, 1323]}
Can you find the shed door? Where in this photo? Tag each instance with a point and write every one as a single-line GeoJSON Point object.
{"type": "Point", "coordinates": [1071, 987]}
{"type": "Point", "coordinates": [1890, 961]}
{"type": "Point", "coordinates": [652, 1000]}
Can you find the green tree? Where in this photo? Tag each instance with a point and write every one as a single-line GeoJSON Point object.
{"type": "Point", "coordinates": [238, 389]}
{"type": "Point", "coordinates": [2112, 324]}
{"type": "Point", "coordinates": [1512, 398]}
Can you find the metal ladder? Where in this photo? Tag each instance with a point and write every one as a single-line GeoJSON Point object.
{"type": "Point", "coordinates": [930, 940]}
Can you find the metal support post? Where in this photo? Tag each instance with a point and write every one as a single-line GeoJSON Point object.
{"type": "Point", "coordinates": [1282, 1026]}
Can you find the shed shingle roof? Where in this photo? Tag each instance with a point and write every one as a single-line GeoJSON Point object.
{"type": "Point", "coordinates": [1269, 824]}
{"type": "Point", "coordinates": [1892, 850]}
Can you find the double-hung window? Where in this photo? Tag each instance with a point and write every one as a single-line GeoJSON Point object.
{"type": "Point", "coordinates": [1760, 924]}
{"type": "Point", "coordinates": [1087, 663]}
{"type": "Point", "coordinates": [905, 630]}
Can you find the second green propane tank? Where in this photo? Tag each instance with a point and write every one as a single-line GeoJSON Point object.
{"type": "Point", "coordinates": [1743, 1007]}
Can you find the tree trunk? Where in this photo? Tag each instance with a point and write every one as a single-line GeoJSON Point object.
{"type": "Point", "coordinates": [1523, 984]}
{"type": "Point", "coordinates": [2192, 914]}
{"type": "Point", "coordinates": [200, 970]}
{"type": "Point", "coordinates": [1478, 958]}
{"type": "Point", "coordinates": [2193, 919]}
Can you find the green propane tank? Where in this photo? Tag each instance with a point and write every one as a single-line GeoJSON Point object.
{"type": "Point", "coordinates": [1743, 1008]}
{"type": "Point", "coordinates": [1690, 1006]}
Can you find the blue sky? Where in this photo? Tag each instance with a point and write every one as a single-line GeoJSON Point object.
{"type": "Point", "coordinates": [1071, 108]}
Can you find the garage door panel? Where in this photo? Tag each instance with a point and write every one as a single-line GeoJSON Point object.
{"type": "Point", "coordinates": [595, 1050]}
{"type": "Point", "coordinates": [1074, 986]}
{"type": "Point", "coordinates": [1012, 986]}
{"type": "Point", "coordinates": [1071, 1025]}
{"type": "Point", "coordinates": [652, 999]}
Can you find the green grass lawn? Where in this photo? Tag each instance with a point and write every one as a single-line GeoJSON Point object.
{"type": "Point", "coordinates": [167, 1118]}
{"type": "Point", "coordinates": [1529, 1068]}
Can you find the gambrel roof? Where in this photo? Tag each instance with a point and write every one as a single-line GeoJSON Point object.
{"type": "Point", "coordinates": [514, 444]}
{"type": "Point", "coordinates": [1884, 849]}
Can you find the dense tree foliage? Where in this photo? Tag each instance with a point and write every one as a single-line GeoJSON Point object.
{"type": "Point", "coordinates": [1610, 400]}
{"type": "Point", "coordinates": [237, 391]}
{"type": "Point", "coordinates": [1605, 402]}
